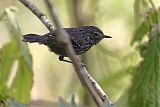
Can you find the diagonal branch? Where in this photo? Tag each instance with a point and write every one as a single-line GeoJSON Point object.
{"type": "Point", "coordinates": [85, 78]}
{"type": "Point", "coordinates": [38, 13]}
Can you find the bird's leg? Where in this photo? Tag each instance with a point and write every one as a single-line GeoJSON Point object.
{"type": "Point", "coordinates": [61, 58]}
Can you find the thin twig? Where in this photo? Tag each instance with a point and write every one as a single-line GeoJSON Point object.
{"type": "Point", "coordinates": [81, 71]}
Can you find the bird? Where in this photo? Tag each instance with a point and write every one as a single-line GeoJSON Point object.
{"type": "Point", "coordinates": [82, 39]}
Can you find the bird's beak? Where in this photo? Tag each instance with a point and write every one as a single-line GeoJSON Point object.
{"type": "Point", "coordinates": [106, 36]}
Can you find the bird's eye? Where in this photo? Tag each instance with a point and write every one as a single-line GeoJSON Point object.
{"type": "Point", "coordinates": [96, 33]}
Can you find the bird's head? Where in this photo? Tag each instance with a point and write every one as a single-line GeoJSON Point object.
{"type": "Point", "coordinates": [94, 33]}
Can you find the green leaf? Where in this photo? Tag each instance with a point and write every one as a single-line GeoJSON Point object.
{"type": "Point", "coordinates": [24, 72]}
{"type": "Point", "coordinates": [15, 31]}
{"type": "Point", "coordinates": [16, 50]}
{"type": "Point", "coordinates": [145, 88]}
{"type": "Point", "coordinates": [23, 77]}
{"type": "Point", "coordinates": [6, 61]}
{"type": "Point", "coordinates": [140, 32]}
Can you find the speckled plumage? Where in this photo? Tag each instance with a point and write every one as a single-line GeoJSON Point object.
{"type": "Point", "coordinates": [82, 39]}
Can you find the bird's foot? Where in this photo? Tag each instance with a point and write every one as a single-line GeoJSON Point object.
{"type": "Point", "coordinates": [61, 58]}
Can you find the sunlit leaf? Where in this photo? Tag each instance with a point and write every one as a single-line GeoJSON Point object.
{"type": "Point", "coordinates": [16, 32]}
{"type": "Point", "coordinates": [22, 83]}
{"type": "Point", "coordinates": [7, 58]}
{"type": "Point", "coordinates": [24, 72]}
{"type": "Point", "coordinates": [16, 50]}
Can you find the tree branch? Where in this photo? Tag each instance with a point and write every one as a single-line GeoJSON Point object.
{"type": "Point", "coordinates": [84, 76]}
{"type": "Point", "coordinates": [38, 13]}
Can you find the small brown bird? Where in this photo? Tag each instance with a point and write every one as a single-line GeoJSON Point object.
{"type": "Point", "coordinates": [82, 39]}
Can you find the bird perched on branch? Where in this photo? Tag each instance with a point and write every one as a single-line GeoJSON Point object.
{"type": "Point", "coordinates": [82, 39]}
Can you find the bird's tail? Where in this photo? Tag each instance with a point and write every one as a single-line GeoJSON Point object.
{"type": "Point", "coordinates": [33, 38]}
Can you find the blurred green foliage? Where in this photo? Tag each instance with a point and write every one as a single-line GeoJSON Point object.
{"type": "Point", "coordinates": [145, 88]}
{"type": "Point", "coordinates": [15, 51]}
{"type": "Point", "coordinates": [129, 74]}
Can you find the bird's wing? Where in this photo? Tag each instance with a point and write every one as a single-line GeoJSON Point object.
{"type": "Point", "coordinates": [80, 42]}
{"type": "Point", "coordinates": [76, 39]}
